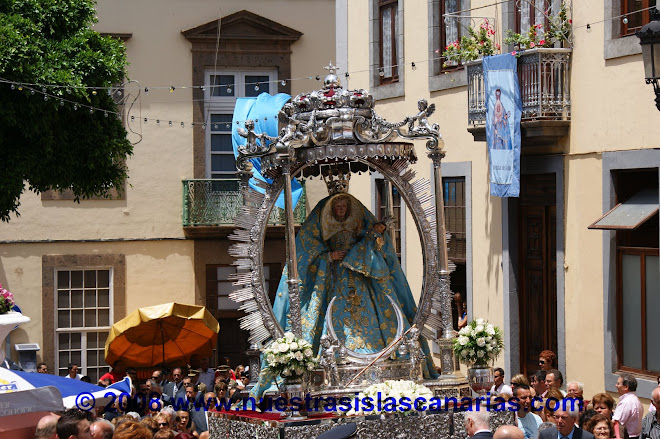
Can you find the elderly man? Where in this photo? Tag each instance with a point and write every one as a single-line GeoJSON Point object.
{"type": "Point", "coordinates": [477, 423]}
{"type": "Point", "coordinates": [527, 422]}
{"type": "Point", "coordinates": [566, 428]}
{"type": "Point", "coordinates": [102, 429]}
{"type": "Point", "coordinates": [174, 390]}
{"type": "Point", "coordinates": [554, 379]}
{"type": "Point", "coordinates": [629, 410]}
{"type": "Point", "coordinates": [508, 432]}
{"type": "Point", "coordinates": [46, 427]}
{"type": "Point", "coordinates": [651, 422]}
{"type": "Point", "coordinates": [74, 424]}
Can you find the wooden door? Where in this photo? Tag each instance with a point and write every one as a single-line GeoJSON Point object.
{"type": "Point", "coordinates": [538, 269]}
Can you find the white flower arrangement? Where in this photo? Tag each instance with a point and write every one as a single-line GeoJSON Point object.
{"type": "Point", "coordinates": [391, 389]}
{"type": "Point", "coordinates": [478, 343]}
{"type": "Point", "coordinates": [290, 356]}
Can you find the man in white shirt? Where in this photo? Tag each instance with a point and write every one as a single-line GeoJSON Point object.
{"type": "Point", "coordinates": [73, 372]}
{"type": "Point", "coordinates": [499, 386]}
{"type": "Point", "coordinates": [528, 422]}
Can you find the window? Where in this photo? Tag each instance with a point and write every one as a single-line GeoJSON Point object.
{"type": "Point", "coordinates": [450, 27]}
{"type": "Point", "coordinates": [219, 286]}
{"type": "Point", "coordinates": [382, 194]}
{"type": "Point", "coordinates": [638, 279]}
{"type": "Point", "coordinates": [84, 316]}
{"type": "Point", "coordinates": [636, 19]}
{"type": "Point", "coordinates": [532, 12]}
{"type": "Point", "coordinates": [221, 91]}
{"type": "Point", "coordinates": [388, 24]}
{"type": "Point", "coordinates": [455, 220]}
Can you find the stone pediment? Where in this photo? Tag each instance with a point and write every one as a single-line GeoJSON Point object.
{"type": "Point", "coordinates": [243, 25]}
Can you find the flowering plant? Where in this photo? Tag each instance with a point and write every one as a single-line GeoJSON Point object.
{"type": "Point", "coordinates": [6, 300]}
{"type": "Point", "coordinates": [391, 389]}
{"type": "Point", "coordinates": [557, 30]}
{"type": "Point", "coordinates": [478, 343]}
{"type": "Point", "coordinates": [476, 44]}
{"type": "Point", "coordinates": [290, 356]}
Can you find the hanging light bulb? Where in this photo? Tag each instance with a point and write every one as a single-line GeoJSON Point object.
{"type": "Point", "coordinates": [215, 126]}
{"type": "Point", "coordinates": [158, 122]}
{"type": "Point", "coordinates": [132, 118]}
{"type": "Point", "coordinates": [75, 107]}
{"type": "Point", "coordinates": [318, 78]}
{"type": "Point", "coordinates": [105, 114]}
{"type": "Point", "coordinates": [145, 120]}
{"type": "Point", "coordinates": [171, 88]}
{"type": "Point", "coordinates": [170, 123]}
{"type": "Point", "coordinates": [31, 92]}
{"type": "Point", "coordinates": [13, 86]}
{"type": "Point", "coordinates": [118, 92]}
{"type": "Point", "coordinates": [45, 97]}
{"type": "Point", "coordinates": [43, 90]}
{"type": "Point", "coordinates": [181, 124]}
{"type": "Point", "coordinates": [20, 88]}
{"type": "Point", "coordinates": [256, 87]}
{"type": "Point", "coordinates": [61, 103]}
{"type": "Point", "coordinates": [625, 20]}
{"type": "Point", "coordinates": [346, 74]}
{"type": "Point", "coordinates": [414, 67]}
{"type": "Point", "coordinates": [94, 92]}
{"type": "Point", "coordinates": [146, 90]}
{"type": "Point", "coordinates": [381, 72]}
{"type": "Point", "coordinates": [588, 28]}
{"type": "Point", "coordinates": [201, 87]}
{"type": "Point", "coordinates": [91, 111]}
{"type": "Point", "coordinates": [68, 90]}
{"type": "Point", "coordinates": [203, 126]}
{"type": "Point", "coordinates": [283, 82]}
{"type": "Point", "coordinates": [229, 90]}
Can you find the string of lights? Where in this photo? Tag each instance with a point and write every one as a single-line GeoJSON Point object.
{"type": "Point", "coordinates": [64, 93]}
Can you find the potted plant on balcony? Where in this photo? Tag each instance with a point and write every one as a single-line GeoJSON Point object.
{"type": "Point", "coordinates": [8, 318]}
{"type": "Point", "coordinates": [558, 30]}
{"type": "Point", "coordinates": [476, 44]}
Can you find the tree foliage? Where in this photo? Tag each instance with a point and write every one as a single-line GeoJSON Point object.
{"type": "Point", "coordinates": [45, 145]}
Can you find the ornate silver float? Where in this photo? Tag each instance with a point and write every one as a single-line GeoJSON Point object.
{"type": "Point", "coordinates": [326, 132]}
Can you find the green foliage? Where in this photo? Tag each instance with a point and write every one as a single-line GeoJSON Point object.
{"type": "Point", "coordinates": [476, 44]}
{"type": "Point", "coordinates": [558, 30]}
{"type": "Point", "coordinates": [44, 145]}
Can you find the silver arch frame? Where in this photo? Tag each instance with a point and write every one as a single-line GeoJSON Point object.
{"type": "Point", "coordinates": [250, 236]}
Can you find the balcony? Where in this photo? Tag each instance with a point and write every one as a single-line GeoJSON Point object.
{"type": "Point", "coordinates": [210, 206]}
{"type": "Point", "coordinates": [544, 78]}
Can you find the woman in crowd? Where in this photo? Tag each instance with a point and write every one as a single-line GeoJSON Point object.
{"type": "Point", "coordinates": [603, 403]}
{"type": "Point", "coordinates": [185, 424]}
{"type": "Point", "coordinates": [132, 430]}
{"type": "Point", "coordinates": [547, 360]}
{"type": "Point", "coordinates": [600, 426]}
{"type": "Point", "coordinates": [553, 400]}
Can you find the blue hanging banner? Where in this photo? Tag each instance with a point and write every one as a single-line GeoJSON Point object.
{"type": "Point", "coordinates": [503, 112]}
{"type": "Point", "coordinates": [263, 110]}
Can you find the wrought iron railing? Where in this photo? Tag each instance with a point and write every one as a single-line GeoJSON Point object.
{"type": "Point", "coordinates": [544, 78]}
{"type": "Point", "coordinates": [217, 202]}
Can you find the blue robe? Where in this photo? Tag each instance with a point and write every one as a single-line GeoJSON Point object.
{"type": "Point", "coordinates": [362, 316]}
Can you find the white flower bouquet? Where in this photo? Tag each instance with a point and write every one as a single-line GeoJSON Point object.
{"type": "Point", "coordinates": [478, 343]}
{"type": "Point", "coordinates": [395, 396]}
{"type": "Point", "coordinates": [290, 356]}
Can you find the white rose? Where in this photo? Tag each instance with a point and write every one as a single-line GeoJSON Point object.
{"type": "Point", "coordinates": [293, 346]}
{"type": "Point", "coordinates": [480, 321]}
{"type": "Point", "coordinates": [270, 358]}
{"type": "Point", "coordinates": [480, 354]}
{"type": "Point", "coordinates": [289, 336]}
{"type": "Point", "coordinates": [489, 338]}
{"type": "Point", "coordinates": [479, 328]}
{"type": "Point", "coordinates": [481, 342]}
{"type": "Point", "coordinates": [308, 352]}
{"type": "Point", "coordinates": [493, 343]}
{"type": "Point", "coordinates": [310, 366]}
{"type": "Point", "coordinates": [283, 347]}
{"type": "Point", "coordinates": [463, 340]}
{"type": "Point", "coordinates": [464, 354]}
{"type": "Point", "coordinates": [490, 329]}
{"type": "Point", "coordinates": [299, 356]}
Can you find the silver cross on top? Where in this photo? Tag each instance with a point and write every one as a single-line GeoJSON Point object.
{"type": "Point", "coordinates": [330, 68]}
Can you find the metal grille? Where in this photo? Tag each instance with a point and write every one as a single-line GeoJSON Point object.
{"type": "Point", "coordinates": [543, 76]}
{"type": "Point", "coordinates": [217, 202]}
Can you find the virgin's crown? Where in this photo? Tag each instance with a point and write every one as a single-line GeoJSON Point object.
{"type": "Point", "coordinates": [337, 183]}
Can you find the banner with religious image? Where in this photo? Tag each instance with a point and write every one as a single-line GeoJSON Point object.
{"type": "Point", "coordinates": [503, 112]}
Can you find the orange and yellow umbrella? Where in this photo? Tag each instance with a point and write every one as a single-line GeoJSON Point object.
{"type": "Point", "coordinates": [163, 334]}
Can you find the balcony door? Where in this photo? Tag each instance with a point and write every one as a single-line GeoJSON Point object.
{"type": "Point", "coordinates": [221, 90]}
{"type": "Point", "coordinates": [538, 268]}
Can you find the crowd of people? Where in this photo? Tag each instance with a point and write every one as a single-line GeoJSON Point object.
{"type": "Point", "coordinates": [547, 408]}
{"type": "Point", "coordinates": [170, 404]}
